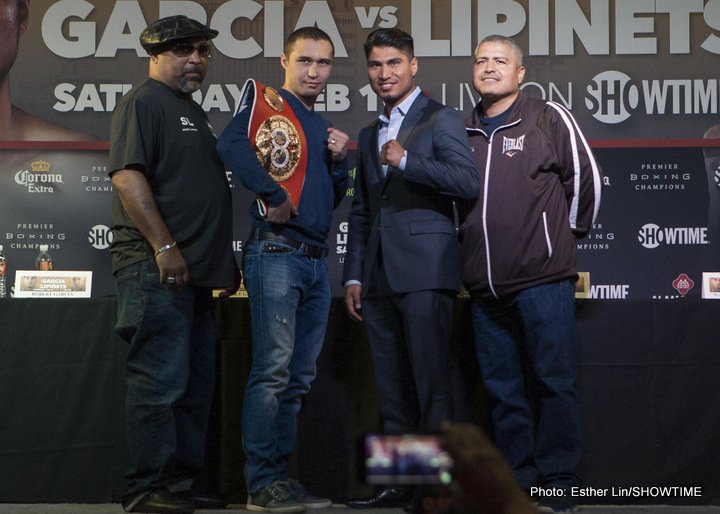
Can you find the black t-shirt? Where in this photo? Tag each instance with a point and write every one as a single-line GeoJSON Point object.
{"type": "Point", "coordinates": [169, 135]}
{"type": "Point", "coordinates": [491, 123]}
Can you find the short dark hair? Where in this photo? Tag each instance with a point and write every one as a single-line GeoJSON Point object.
{"type": "Point", "coordinates": [313, 33]}
{"type": "Point", "coordinates": [395, 38]}
{"type": "Point", "coordinates": [508, 41]}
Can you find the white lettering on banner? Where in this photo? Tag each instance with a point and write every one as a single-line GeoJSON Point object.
{"type": "Point", "coordinates": [334, 99]}
{"type": "Point", "coordinates": [96, 97]}
{"type": "Point", "coordinates": [662, 178]}
{"type": "Point", "coordinates": [651, 236]}
{"type": "Point", "coordinates": [33, 237]}
{"type": "Point", "coordinates": [612, 96]}
{"type": "Point", "coordinates": [127, 21]}
{"type": "Point", "coordinates": [341, 238]}
{"type": "Point", "coordinates": [609, 292]}
{"type": "Point", "coordinates": [218, 97]}
{"type": "Point", "coordinates": [688, 96]}
{"type": "Point", "coordinates": [368, 16]}
{"type": "Point", "coordinates": [600, 27]}
{"type": "Point", "coordinates": [467, 97]}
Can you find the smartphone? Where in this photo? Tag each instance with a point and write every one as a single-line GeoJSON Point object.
{"type": "Point", "coordinates": [404, 459]}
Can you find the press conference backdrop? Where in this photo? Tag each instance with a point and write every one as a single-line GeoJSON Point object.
{"type": "Point", "coordinates": [636, 75]}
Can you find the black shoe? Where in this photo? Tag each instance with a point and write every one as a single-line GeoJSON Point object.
{"type": "Point", "coordinates": [388, 498]}
{"type": "Point", "coordinates": [163, 501]}
{"type": "Point", "coordinates": [203, 500]}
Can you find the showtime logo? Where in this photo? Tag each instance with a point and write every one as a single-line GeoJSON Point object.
{"type": "Point", "coordinates": [651, 236]}
{"type": "Point", "coordinates": [100, 237]}
{"type": "Point", "coordinates": [609, 291]}
{"type": "Point", "coordinates": [613, 97]}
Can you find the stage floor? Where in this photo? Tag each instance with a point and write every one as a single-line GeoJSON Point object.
{"type": "Point", "coordinates": [114, 508]}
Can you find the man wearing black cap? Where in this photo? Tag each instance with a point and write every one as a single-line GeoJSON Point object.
{"type": "Point", "coordinates": [172, 245]}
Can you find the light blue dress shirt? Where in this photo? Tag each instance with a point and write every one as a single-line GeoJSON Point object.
{"type": "Point", "coordinates": [389, 127]}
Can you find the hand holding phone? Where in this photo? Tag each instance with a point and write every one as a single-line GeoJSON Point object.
{"type": "Point", "coordinates": [404, 459]}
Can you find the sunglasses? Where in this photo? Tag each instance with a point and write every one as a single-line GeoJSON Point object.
{"type": "Point", "coordinates": [185, 49]}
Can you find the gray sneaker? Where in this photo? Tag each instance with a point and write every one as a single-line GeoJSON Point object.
{"type": "Point", "coordinates": [305, 498]}
{"type": "Point", "coordinates": [276, 497]}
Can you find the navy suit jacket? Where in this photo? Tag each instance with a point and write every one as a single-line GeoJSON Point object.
{"type": "Point", "coordinates": [411, 215]}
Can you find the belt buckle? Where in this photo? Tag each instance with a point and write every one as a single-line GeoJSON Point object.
{"type": "Point", "coordinates": [314, 252]}
{"type": "Point", "coordinates": [307, 250]}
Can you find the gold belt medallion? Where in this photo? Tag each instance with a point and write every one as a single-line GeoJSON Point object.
{"type": "Point", "coordinates": [278, 147]}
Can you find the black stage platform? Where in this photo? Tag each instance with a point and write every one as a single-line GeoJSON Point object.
{"type": "Point", "coordinates": [649, 382]}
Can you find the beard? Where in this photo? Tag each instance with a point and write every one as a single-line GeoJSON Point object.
{"type": "Point", "coordinates": [188, 86]}
{"type": "Point", "coordinates": [187, 82]}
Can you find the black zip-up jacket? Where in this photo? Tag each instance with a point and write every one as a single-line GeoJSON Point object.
{"type": "Point", "coordinates": [539, 192]}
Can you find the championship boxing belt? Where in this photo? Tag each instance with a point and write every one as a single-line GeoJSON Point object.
{"type": "Point", "coordinates": [278, 140]}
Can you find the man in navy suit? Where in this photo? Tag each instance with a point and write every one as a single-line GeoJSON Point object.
{"type": "Point", "coordinates": [401, 271]}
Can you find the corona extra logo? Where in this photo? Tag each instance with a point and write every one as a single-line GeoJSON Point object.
{"type": "Point", "coordinates": [38, 179]}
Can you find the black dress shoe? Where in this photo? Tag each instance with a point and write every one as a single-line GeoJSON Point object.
{"type": "Point", "coordinates": [163, 501]}
{"type": "Point", "coordinates": [388, 498]}
{"type": "Point", "coordinates": [203, 500]}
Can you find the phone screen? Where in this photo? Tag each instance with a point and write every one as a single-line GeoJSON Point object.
{"type": "Point", "coordinates": [405, 459]}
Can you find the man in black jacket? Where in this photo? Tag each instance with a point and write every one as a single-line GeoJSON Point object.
{"type": "Point", "coordinates": [540, 191]}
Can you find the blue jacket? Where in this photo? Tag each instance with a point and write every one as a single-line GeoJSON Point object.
{"type": "Point", "coordinates": [325, 180]}
{"type": "Point", "coordinates": [410, 215]}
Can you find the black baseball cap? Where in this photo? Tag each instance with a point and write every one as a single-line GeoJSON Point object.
{"type": "Point", "coordinates": [171, 29]}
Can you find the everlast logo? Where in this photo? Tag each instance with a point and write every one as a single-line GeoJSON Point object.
{"type": "Point", "coordinates": [513, 145]}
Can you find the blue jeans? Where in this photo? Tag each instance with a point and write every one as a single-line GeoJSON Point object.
{"type": "Point", "coordinates": [170, 377]}
{"type": "Point", "coordinates": [525, 344]}
{"type": "Point", "coordinates": [289, 304]}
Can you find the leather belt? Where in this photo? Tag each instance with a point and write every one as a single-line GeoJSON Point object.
{"type": "Point", "coordinates": [314, 252]}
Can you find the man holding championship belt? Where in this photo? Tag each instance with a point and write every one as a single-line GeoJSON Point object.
{"type": "Point", "coordinates": [295, 163]}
